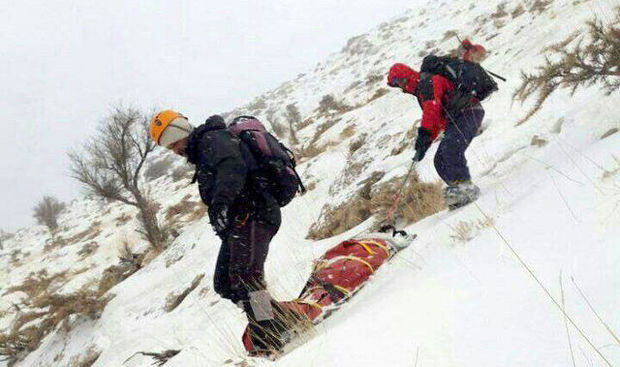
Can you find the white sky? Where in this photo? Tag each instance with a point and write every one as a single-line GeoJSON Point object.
{"type": "Point", "coordinates": [64, 63]}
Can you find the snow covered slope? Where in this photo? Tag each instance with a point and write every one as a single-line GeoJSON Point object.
{"type": "Point", "coordinates": [471, 291]}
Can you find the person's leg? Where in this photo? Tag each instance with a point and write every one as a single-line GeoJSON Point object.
{"type": "Point", "coordinates": [221, 277]}
{"type": "Point", "coordinates": [450, 161]}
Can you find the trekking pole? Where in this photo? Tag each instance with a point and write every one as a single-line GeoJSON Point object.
{"type": "Point", "coordinates": [398, 194]}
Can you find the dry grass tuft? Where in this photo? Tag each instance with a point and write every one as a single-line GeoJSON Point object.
{"type": "Point", "coordinates": [537, 141]}
{"type": "Point", "coordinates": [348, 132]}
{"type": "Point", "coordinates": [419, 200]}
{"type": "Point", "coordinates": [174, 300]}
{"type": "Point", "coordinates": [87, 359]}
{"type": "Point", "coordinates": [29, 328]}
{"type": "Point", "coordinates": [88, 249]}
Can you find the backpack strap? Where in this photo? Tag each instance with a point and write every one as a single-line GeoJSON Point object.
{"type": "Point", "coordinates": [302, 188]}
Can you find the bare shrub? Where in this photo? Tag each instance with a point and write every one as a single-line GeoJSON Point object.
{"type": "Point", "coordinates": [110, 164]}
{"type": "Point", "coordinates": [122, 219]}
{"type": "Point", "coordinates": [517, 12]}
{"type": "Point", "coordinates": [184, 171]}
{"type": "Point", "coordinates": [446, 36]}
{"type": "Point", "coordinates": [378, 94]}
{"type": "Point", "coordinates": [257, 105]}
{"type": "Point", "coordinates": [374, 78]}
{"type": "Point", "coordinates": [609, 132]}
{"type": "Point", "coordinates": [174, 300]}
{"type": "Point", "coordinates": [465, 231]}
{"type": "Point", "coordinates": [25, 334]}
{"type": "Point", "coordinates": [47, 210]}
{"type": "Point", "coordinates": [329, 103]}
{"type": "Point", "coordinates": [418, 200]}
{"type": "Point", "coordinates": [158, 168]}
{"type": "Point", "coordinates": [88, 249]}
{"type": "Point", "coordinates": [592, 61]}
{"type": "Point", "coordinates": [537, 141]}
{"type": "Point", "coordinates": [276, 126]}
{"type": "Point", "coordinates": [539, 6]}
{"type": "Point", "coordinates": [500, 12]}
{"type": "Point", "coordinates": [190, 209]}
{"type": "Point", "coordinates": [87, 359]}
{"type": "Point", "coordinates": [357, 144]}
{"type": "Point", "coordinates": [348, 132]}
{"type": "Point", "coordinates": [294, 117]}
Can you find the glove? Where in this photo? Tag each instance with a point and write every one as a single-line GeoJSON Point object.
{"type": "Point", "coordinates": [219, 218]}
{"type": "Point", "coordinates": [422, 143]}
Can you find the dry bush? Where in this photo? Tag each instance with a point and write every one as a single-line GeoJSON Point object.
{"type": "Point", "coordinates": [184, 207]}
{"type": "Point", "coordinates": [110, 164]}
{"type": "Point", "coordinates": [374, 78]}
{"type": "Point", "coordinates": [357, 144]}
{"type": "Point", "coordinates": [185, 171]}
{"type": "Point", "coordinates": [199, 211]}
{"type": "Point", "coordinates": [465, 231]}
{"type": "Point", "coordinates": [609, 132]}
{"type": "Point", "coordinates": [418, 200]}
{"type": "Point", "coordinates": [86, 235]}
{"type": "Point", "coordinates": [87, 359]}
{"type": "Point", "coordinates": [538, 141]}
{"type": "Point", "coordinates": [123, 219]}
{"type": "Point", "coordinates": [174, 300]}
{"type": "Point", "coordinates": [29, 328]}
{"type": "Point", "coordinates": [378, 94]}
{"type": "Point", "coordinates": [258, 104]}
{"type": "Point", "coordinates": [293, 117]}
{"type": "Point", "coordinates": [592, 61]}
{"type": "Point", "coordinates": [347, 132]}
{"type": "Point", "coordinates": [88, 249]}
{"type": "Point", "coordinates": [517, 12]}
{"type": "Point", "coordinates": [329, 104]}
{"type": "Point", "coordinates": [47, 210]}
{"type": "Point", "coordinates": [158, 168]}
{"type": "Point", "coordinates": [539, 6]}
{"type": "Point", "coordinates": [500, 12]}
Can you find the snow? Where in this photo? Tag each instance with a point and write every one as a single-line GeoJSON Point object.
{"type": "Point", "coordinates": [456, 297]}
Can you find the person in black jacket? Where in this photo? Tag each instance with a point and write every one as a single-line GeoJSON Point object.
{"type": "Point", "coordinates": [245, 217]}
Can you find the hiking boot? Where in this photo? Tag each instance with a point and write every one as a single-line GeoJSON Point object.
{"type": "Point", "coordinates": [270, 336]}
{"type": "Point", "coordinates": [461, 194]}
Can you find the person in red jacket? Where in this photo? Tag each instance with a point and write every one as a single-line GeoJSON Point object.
{"type": "Point", "coordinates": [433, 93]}
{"type": "Point", "coordinates": [471, 52]}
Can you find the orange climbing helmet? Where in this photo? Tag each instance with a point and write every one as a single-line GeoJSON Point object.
{"type": "Point", "coordinates": [163, 120]}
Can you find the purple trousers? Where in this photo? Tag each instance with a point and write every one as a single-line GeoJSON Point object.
{"type": "Point", "coordinates": [240, 262]}
{"type": "Point", "coordinates": [450, 161]}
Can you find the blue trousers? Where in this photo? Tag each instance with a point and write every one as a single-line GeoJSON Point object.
{"type": "Point", "coordinates": [450, 161]}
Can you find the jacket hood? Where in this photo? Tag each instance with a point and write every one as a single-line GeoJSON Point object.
{"type": "Point", "coordinates": [402, 71]}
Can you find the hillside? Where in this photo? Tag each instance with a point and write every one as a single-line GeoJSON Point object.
{"type": "Point", "coordinates": [457, 297]}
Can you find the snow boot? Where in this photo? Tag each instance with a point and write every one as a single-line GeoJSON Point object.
{"type": "Point", "coordinates": [270, 334]}
{"type": "Point", "coordinates": [461, 194]}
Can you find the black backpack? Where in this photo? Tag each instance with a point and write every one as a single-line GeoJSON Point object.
{"type": "Point", "coordinates": [273, 158]}
{"type": "Point", "coordinates": [469, 78]}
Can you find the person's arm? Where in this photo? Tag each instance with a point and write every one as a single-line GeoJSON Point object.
{"type": "Point", "coordinates": [231, 169]}
{"type": "Point", "coordinates": [433, 115]}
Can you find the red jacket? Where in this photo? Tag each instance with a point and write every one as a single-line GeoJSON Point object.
{"type": "Point", "coordinates": [432, 92]}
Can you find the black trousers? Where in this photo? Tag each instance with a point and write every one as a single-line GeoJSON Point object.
{"type": "Point", "coordinates": [240, 264]}
{"type": "Point", "coordinates": [450, 161]}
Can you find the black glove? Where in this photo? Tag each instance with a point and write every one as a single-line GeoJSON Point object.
{"type": "Point", "coordinates": [422, 143]}
{"type": "Point", "coordinates": [219, 218]}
